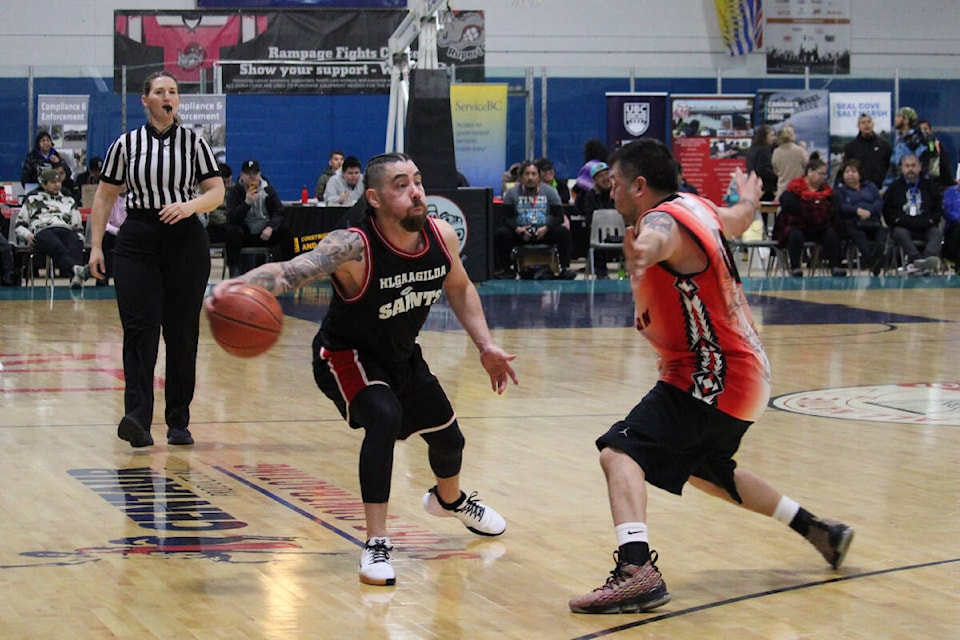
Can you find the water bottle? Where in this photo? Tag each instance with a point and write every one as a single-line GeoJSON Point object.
{"type": "Point", "coordinates": [304, 195]}
{"type": "Point", "coordinates": [622, 271]}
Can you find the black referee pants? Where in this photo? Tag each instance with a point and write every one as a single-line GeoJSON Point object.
{"type": "Point", "coordinates": [161, 274]}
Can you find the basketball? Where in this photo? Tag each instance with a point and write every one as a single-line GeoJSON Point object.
{"type": "Point", "coordinates": [246, 320]}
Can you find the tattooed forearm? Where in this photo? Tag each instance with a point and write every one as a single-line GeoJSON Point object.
{"type": "Point", "coordinates": [335, 249]}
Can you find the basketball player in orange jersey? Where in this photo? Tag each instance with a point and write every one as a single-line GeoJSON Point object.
{"type": "Point", "coordinates": [386, 273]}
{"type": "Point", "coordinates": [714, 375]}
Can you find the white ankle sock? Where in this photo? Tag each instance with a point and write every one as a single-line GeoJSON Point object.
{"type": "Point", "coordinates": [631, 532]}
{"type": "Point", "coordinates": [786, 510]}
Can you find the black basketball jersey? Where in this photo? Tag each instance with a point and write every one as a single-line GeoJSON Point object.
{"type": "Point", "coordinates": [385, 316]}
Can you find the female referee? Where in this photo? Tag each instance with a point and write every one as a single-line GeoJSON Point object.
{"type": "Point", "coordinates": [162, 256]}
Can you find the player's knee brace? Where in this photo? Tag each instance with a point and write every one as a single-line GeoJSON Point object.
{"type": "Point", "coordinates": [445, 450]}
{"type": "Point", "coordinates": [378, 411]}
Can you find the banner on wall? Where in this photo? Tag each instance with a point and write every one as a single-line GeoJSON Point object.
{"type": "Point", "coordinates": [845, 110]}
{"type": "Point", "coordinates": [479, 113]}
{"type": "Point", "coordinates": [207, 115]}
{"type": "Point", "coordinates": [812, 34]}
{"type": "Point", "coordinates": [807, 111]}
{"type": "Point", "coordinates": [65, 118]}
{"type": "Point", "coordinates": [332, 51]}
{"type": "Point", "coordinates": [635, 115]}
{"type": "Point", "coordinates": [710, 135]}
{"type": "Point", "coordinates": [316, 4]}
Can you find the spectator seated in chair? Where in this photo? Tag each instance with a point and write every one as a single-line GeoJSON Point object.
{"type": "Point", "coordinates": [806, 215]}
{"type": "Point", "coordinates": [860, 208]}
{"type": "Point", "coordinates": [951, 221]}
{"type": "Point", "coordinates": [534, 215]}
{"type": "Point", "coordinates": [50, 221]}
{"type": "Point", "coordinates": [254, 219]}
{"type": "Point", "coordinates": [912, 209]}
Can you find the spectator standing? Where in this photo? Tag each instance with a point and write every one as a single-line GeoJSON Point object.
{"type": "Point", "coordinates": [334, 164]}
{"type": "Point", "coordinates": [366, 357]}
{"type": "Point", "coordinates": [912, 209]}
{"type": "Point", "coordinates": [42, 156]}
{"type": "Point", "coordinates": [789, 158]}
{"type": "Point", "coordinates": [760, 160]}
{"type": "Point", "coordinates": [939, 167]}
{"type": "Point", "coordinates": [872, 151]}
{"type": "Point", "coordinates": [714, 376]}
{"type": "Point", "coordinates": [908, 140]}
{"type": "Point", "coordinates": [50, 220]}
{"type": "Point", "coordinates": [254, 218]}
{"type": "Point", "coordinates": [346, 188]}
{"type": "Point", "coordinates": [162, 255]}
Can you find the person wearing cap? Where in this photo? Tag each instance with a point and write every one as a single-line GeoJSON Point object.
{"type": "Point", "coordinates": [161, 261]}
{"type": "Point", "coordinates": [908, 140]}
{"type": "Point", "coordinates": [51, 221]}
{"type": "Point", "coordinates": [254, 218]}
{"type": "Point", "coordinates": [548, 175]}
{"type": "Point", "coordinates": [598, 197]}
{"type": "Point", "coordinates": [92, 174]}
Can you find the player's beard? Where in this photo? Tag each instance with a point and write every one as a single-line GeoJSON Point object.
{"type": "Point", "coordinates": [414, 222]}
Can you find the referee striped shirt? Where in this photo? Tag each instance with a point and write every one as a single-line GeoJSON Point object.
{"type": "Point", "coordinates": [159, 168]}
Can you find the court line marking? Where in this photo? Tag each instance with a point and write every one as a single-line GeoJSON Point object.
{"type": "Point", "coordinates": [759, 594]}
{"type": "Point", "coordinates": [286, 503]}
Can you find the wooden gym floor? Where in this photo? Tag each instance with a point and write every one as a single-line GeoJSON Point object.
{"type": "Point", "coordinates": [255, 532]}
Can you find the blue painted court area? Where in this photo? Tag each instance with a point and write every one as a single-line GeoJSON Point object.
{"type": "Point", "coordinates": [525, 304]}
{"type": "Point", "coordinates": [519, 304]}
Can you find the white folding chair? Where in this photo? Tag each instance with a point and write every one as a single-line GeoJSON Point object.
{"type": "Point", "coordinates": [606, 224]}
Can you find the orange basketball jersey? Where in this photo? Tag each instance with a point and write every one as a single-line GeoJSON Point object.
{"type": "Point", "coordinates": [700, 324]}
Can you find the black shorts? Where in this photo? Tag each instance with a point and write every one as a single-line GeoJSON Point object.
{"type": "Point", "coordinates": [341, 375]}
{"type": "Point", "coordinates": [673, 436]}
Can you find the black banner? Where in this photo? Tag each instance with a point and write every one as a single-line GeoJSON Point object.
{"type": "Point", "coordinates": [329, 51]}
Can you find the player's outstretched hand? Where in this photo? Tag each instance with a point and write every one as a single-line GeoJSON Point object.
{"type": "Point", "coordinates": [496, 362]}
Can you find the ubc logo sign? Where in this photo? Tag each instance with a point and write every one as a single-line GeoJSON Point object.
{"type": "Point", "coordinates": [636, 117]}
{"type": "Point", "coordinates": [448, 211]}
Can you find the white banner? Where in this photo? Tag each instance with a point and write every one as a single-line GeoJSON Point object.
{"type": "Point", "coordinates": [207, 115]}
{"type": "Point", "coordinates": [65, 118]}
{"type": "Point", "coordinates": [845, 110]}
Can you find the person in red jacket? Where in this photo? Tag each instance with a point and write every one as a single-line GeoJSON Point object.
{"type": "Point", "coordinates": [806, 215]}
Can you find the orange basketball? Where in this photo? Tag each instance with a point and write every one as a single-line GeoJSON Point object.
{"type": "Point", "coordinates": [246, 320]}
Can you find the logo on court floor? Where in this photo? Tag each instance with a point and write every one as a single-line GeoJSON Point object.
{"type": "Point", "coordinates": [926, 403]}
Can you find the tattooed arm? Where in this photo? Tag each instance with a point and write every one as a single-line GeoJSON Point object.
{"type": "Point", "coordinates": [340, 250]}
{"type": "Point", "coordinates": [655, 239]}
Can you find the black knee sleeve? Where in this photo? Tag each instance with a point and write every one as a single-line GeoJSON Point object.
{"type": "Point", "coordinates": [445, 450]}
{"type": "Point", "coordinates": [378, 411]}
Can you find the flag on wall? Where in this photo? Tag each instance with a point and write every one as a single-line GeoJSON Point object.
{"type": "Point", "coordinates": [741, 25]}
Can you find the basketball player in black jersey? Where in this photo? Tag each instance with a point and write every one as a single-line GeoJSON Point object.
{"type": "Point", "coordinates": [386, 273]}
